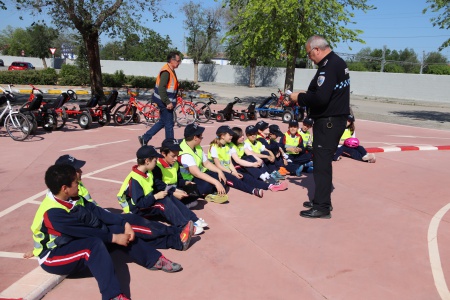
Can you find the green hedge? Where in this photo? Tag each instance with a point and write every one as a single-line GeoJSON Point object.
{"type": "Point", "coordinates": [73, 76]}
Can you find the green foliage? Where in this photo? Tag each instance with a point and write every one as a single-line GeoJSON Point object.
{"type": "Point", "coordinates": [394, 68]}
{"type": "Point", "coordinates": [141, 81]}
{"type": "Point", "coordinates": [117, 79]}
{"type": "Point", "coordinates": [356, 66]}
{"type": "Point", "coordinates": [438, 70]}
{"type": "Point", "coordinates": [443, 19]}
{"type": "Point", "coordinates": [188, 85]}
{"type": "Point", "coordinates": [37, 77]}
{"type": "Point", "coordinates": [73, 75]}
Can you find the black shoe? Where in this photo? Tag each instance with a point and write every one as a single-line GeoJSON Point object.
{"type": "Point", "coordinates": [313, 213]}
{"type": "Point", "coordinates": [141, 140]}
{"type": "Point", "coordinates": [309, 204]}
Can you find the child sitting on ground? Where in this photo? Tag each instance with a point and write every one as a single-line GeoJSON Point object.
{"type": "Point", "coordinates": [298, 158]}
{"type": "Point", "coordinates": [71, 235]}
{"type": "Point", "coordinates": [350, 147]}
{"type": "Point", "coordinates": [136, 194]}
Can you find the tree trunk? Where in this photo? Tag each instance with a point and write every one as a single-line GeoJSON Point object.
{"type": "Point", "coordinates": [93, 57]}
{"type": "Point", "coordinates": [44, 63]}
{"type": "Point", "coordinates": [196, 72]}
{"type": "Point", "coordinates": [290, 66]}
{"type": "Point", "coordinates": [252, 73]}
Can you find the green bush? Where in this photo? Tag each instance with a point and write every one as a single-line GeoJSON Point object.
{"type": "Point", "coordinates": [438, 70]}
{"type": "Point", "coordinates": [394, 68]}
{"type": "Point", "coordinates": [72, 75]}
{"type": "Point", "coordinates": [356, 66]}
{"type": "Point", "coordinates": [188, 85]}
{"type": "Point", "coordinates": [36, 77]}
{"type": "Point", "coordinates": [141, 81]}
{"type": "Point", "coordinates": [117, 79]}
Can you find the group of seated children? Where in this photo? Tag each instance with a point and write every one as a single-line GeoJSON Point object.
{"type": "Point", "coordinates": [72, 232]}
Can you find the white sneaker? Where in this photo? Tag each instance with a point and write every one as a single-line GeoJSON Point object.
{"type": "Point", "coordinates": [192, 204]}
{"type": "Point", "coordinates": [201, 223]}
{"type": "Point", "coordinates": [198, 230]}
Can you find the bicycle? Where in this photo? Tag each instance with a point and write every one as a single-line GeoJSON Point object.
{"type": "Point", "coordinates": [126, 113]}
{"type": "Point", "coordinates": [184, 112]}
{"type": "Point", "coordinates": [16, 124]}
{"type": "Point", "coordinates": [202, 109]}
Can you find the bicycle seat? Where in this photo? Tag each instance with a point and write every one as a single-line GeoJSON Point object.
{"type": "Point", "coordinates": [63, 98]}
{"type": "Point", "coordinates": [111, 99]}
{"type": "Point", "coordinates": [34, 104]}
{"type": "Point", "coordinates": [91, 103]}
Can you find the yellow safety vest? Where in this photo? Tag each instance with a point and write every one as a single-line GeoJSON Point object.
{"type": "Point", "coordinates": [256, 147]}
{"type": "Point", "coordinates": [83, 192]}
{"type": "Point", "coordinates": [292, 141]}
{"type": "Point", "coordinates": [172, 85]}
{"type": "Point", "coordinates": [224, 155]}
{"type": "Point", "coordinates": [169, 175]}
{"type": "Point", "coordinates": [239, 149]}
{"type": "Point", "coordinates": [125, 200]}
{"type": "Point", "coordinates": [44, 241]}
{"type": "Point", "coordinates": [347, 134]}
{"type": "Point", "coordinates": [197, 155]}
{"type": "Point", "coordinates": [306, 136]}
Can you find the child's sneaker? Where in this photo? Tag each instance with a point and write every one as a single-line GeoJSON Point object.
{"type": "Point", "coordinates": [310, 170]}
{"type": "Point", "coordinates": [281, 186]}
{"type": "Point", "coordinates": [271, 180]}
{"type": "Point", "coordinates": [217, 198]}
{"type": "Point", "coordinates": [166, 265]}
{"type": "Point", "coordinates": [120, 297]}
{"type": "Point", "coordinates": [198, 230]}
{"type": "Point", "coordinates": [201, 223]}
{"type": "Point", "coordinates": [277, 176]}
{"type": "Point", "coordinates": [186, 234]}
{"type": "Point", "coordinates": [299, 170]}
{"type": "Point", "coordinates": [258, 192]}
{"type": "Point", "coordinates": [283, 171]}
{"type": "Point", "coordinates": [369, 157]}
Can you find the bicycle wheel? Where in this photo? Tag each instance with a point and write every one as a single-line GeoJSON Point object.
{"type": "Point", "coordinates": [17, 126]}
{"type": "Point", "coordinates": [61, 117]}
{"type": "Point", "coordinates": [151, 112]}
{"type": "Point", "coordinates": [203, 111]}
{"type": "Point", "coordinates": [123, 114]}
{"type": "Point", "coordinates": [184, 114]}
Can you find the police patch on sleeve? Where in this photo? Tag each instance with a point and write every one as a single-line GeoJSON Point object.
{"type": "Point", "coordinates": [320, 80]}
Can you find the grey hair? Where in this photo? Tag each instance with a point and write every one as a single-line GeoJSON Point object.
{"type": "Point", "coordinates": [316, 41]}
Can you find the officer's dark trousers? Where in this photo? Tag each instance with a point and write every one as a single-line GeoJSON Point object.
{"type": "Point", "coordinates": [93, 254]}
{"type": "Point", "coordinates": [325, 142]}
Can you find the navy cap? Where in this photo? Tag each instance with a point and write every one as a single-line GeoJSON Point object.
{"type": "Point", "coordinates": [193, 130]}
{"type": "Point", "coordinates": [70, 160]}
{"type": "Point", "coordinates": [171, 144]}
{"type": "Point", "coordinates": [147, 151]}
{"type": "Point", "coordinates": [262, 125]}
{"type": "Point", "coordinates": [274, 129]}
{"type": "Point", "coordinates": [293, 123]}
{"type": "Point", "coordinates": [224, 129]}
{"type": "Point", "coordinates": [308, 121]}
{"type": "Point", "coordinates": [251, 129]}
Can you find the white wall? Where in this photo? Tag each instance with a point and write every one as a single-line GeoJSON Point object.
{"type": "Point", "coordinates": [392, 85]}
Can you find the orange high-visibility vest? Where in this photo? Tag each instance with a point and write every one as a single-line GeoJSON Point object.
{"type": "Point", "coordinates": [172, 85]}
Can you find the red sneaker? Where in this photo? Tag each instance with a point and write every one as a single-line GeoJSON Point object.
{"type": "Point", "coordinates": [121, 297]}
{"type": "Point", "coordinates": [186, 234]}
{"type": "Point", "coordinates": [166, 265]}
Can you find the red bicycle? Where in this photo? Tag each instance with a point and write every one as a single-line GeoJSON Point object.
{"type": "Point", "coordinates": [132, 110]}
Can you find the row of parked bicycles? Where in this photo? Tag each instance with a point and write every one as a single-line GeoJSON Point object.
{"type": "Point", "coordinates": [53, 115]}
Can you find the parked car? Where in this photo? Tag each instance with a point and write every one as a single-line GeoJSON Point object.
{"type": "Point", "coordinates": [20, 65]}
{"type": "Point", "coordinates": [2, 64]}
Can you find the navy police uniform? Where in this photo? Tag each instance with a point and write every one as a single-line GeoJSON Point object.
{"type": "Point", "coordinates": [328, 100]}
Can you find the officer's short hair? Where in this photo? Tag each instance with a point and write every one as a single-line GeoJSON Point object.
{"type": "Point", "coordinates": [172, 55]}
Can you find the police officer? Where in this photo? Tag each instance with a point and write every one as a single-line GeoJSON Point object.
{"type": "Point", "coordinates": [328, 99]}
{"type": "Point", "coordinates": [165, 96]}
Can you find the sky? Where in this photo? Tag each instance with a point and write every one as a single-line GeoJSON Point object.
{"type": "Point", "coordinates": [397, 24]}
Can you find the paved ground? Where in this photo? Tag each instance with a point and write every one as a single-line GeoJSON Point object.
{"type": "Point", "coordinates": [387, 238]}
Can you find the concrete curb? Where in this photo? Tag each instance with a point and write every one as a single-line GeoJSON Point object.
{"type": "Point", "coordinates": [406, 148]}
{"type": "Point", "coordinates": [33, 286]}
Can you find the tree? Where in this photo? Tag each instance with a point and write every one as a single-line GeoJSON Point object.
{"type": "Point", "coordinates": [41, 38]}
{"type": "Point", "coordinates": [91, 19]}
{"type": "Point", "coordinates": [286, 25]}
{"type": "Point", "coordinates": [203, 25]}
{"type": "Point", "coordinates": [442, 20]}
{"type": "Point", "coordinates": [112, 51]}
{"type": "Point", "coordinates": [14, 40]}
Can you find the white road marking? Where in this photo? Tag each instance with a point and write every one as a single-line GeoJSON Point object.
{"type": "Point", "coordinates": [12, 255]}
{"type": "Point", "coordinates": [420, 137]}
{"type": "Point", "coordinates": [103, 179]}
{"type": "Point", "coordinates": [33, 198]}
{"type": "Point", "coordinates": [83, 147]}
{"type": "Point", "coordinates": [433, 251]}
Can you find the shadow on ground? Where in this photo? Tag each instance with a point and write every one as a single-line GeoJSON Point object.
{"type": "Point", "coordinates": [425, 115]}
